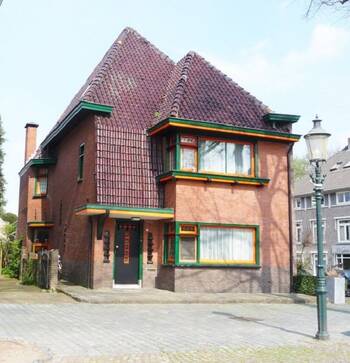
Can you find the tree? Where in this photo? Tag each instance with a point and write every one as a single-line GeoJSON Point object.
{"type": "Point", "coordinates": [316, 5]}
{"type": "Point", "coordinates": [2, 178]}
{"type": "Point", "coordinates": [300, 167]}
{"type": "Point", "coordinates": [9, 217]}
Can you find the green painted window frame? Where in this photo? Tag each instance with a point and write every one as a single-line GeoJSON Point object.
{"type": "Point", "coordinates": [179, 263]}
{"type": "Point", "coordinates": [176, 145]}
{"type": "Point", "coordinates": [81, 159]}
{"type": "Point", "coordinates": [36, 181]}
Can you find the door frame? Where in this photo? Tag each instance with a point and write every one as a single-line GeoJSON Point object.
{"type": "Point", "coordinates": [140, 250]}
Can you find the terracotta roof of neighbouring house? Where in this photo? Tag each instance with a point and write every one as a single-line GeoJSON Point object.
{"type": "Point", "coordinates": [145, 86]}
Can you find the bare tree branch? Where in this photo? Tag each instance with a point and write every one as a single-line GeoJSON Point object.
{"type": "Point", "coordinates": [315, 5]}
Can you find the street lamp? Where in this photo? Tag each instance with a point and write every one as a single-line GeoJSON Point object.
{"type": "Point", "coordinates": [316, 141]}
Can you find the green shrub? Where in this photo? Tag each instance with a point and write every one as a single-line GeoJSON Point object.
{"type": "Point", "coordinates": [11, 258]}
{"type": "Point", "coordinates": [305, 284]}
{"type": "Point", "coordinates": [29, 272]}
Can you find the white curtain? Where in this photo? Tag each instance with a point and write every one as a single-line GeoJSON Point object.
{"type": "Point", "coordinates": [212, 156]}
{"type": "Point", "coordinates": [238, 159]}
{"type": "Point", "coordinates": [226, 245]}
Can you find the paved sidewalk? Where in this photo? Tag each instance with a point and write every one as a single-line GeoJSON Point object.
{"type": "Point", "coordinates": [157, 296]}
{"type": "Point", "coordinates": [174, 333]}
{"type": "Point", "coordinates": [12, 292]}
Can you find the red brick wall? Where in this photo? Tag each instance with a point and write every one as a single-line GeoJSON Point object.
{"type": "Point", "coordinates": [265, 206]}
{"type": "Point", "coordinates": [71, 233]}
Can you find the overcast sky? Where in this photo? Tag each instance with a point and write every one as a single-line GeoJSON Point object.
{"type": "Point", "coordinates": [294, 65]}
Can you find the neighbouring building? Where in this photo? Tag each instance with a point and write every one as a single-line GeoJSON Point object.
{"type": "Point", "coordinates": [335, 215]}
{"type": "Point", "coordinates": [162, 174]}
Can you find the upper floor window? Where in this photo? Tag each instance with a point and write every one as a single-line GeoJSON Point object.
{"type": "Point", "coordinates": [298, 203]}
{"type": "Point", "coordinates": [314, 231]}
{"type": "Point", "coordinates": [343, 197]}
{"type": "Point", "coordinates": [41, 181]}
{"type": "Point", "coordinates": [298, 232]}
{"type": "Point", "coordinates": [215, 156]}
{"type": "Point", "coordinates": [344, 230]}
{"type": "Point", "coordinates": [81, 162]}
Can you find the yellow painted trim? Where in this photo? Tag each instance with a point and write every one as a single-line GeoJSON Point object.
{"type": "Point", "coordinates": [38, 225]}
{"type": "Point", "coordinates": [209, 179]}
{"type": "Point", "coordinates": [189, 177]}
{"type": "Point", "coordinates": [228, 262]}
{"type": "Point", "coordinates": [234, 132]}
{"type": "Point", "coordinates": [140, 214]}
{"type": "Point", "coordinates": [85, 212]}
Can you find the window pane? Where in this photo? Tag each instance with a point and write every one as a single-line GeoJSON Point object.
{"type": "Point", "coordinates": [188, 249]}
{"type": "Point", "coordinates": [226, 245]}
{"type": "Point", "coordinates": [212, 156]}
{"type": "Point", "coordinates": [171, 249]}
{"type": "Point", "coordinates": [43, 185]}
{"type": "Point", "coordinates": [238, 159]}
{"type": "Point", "coordinates": [188, 158]}
{"type": "Point", "coordinates": [171, 164]}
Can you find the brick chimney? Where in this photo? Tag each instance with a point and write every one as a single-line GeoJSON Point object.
{"type": "Point", "coordinates": [30, 146]}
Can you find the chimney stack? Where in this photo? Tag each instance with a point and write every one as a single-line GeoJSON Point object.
{"type": "Point", "coordinates": [30, 146]}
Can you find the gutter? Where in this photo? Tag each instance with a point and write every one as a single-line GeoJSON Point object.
{"type": "Point", "coordinates": [290, 214]}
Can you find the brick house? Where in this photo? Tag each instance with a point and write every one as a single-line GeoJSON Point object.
{"type": "Point", "coordinates": [162, 174]}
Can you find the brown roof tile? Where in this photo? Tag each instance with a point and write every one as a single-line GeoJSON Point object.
{"type": "Point", "coordinates": [142, 83]}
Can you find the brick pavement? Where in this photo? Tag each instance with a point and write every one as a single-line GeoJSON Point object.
{"type": "Point", "coordinates": [175, 333]}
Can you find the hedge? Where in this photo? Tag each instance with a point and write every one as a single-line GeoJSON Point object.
{"type": "Point", "coordinates": [305, 284]}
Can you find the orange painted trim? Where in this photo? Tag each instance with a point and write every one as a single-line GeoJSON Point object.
{"type": "Point", "coordinates": [233, 132]}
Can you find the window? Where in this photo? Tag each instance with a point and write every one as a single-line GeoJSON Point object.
{"type": "Point", "coordinates": [313, 201]}
{"type": "Point", "coordinates": [204, 244]}
{"type": "Point", "coordinates": [314, 231]}
{"type": "Point", "coordinates": [40, 239]}
{"type": "Point", "coordinates": [342, 261]}
{"type": "Point", "coordinates": [315, 261]}
{"type": "Point", "coordinates": [81, 162]}
{"type": "Point", "coordinates": [297, 203]}
{"type": "Point", "coordinates": [298, 232]}
{"type": "Point", "coordinates": [343, 197]}
{"type": "Point", "coordinates": [169, 243]}
{"type": "Point", "coordinates": [227, 245]}
{"type": "Point", "coordinates": [224, 157]}
{"type": "Point", "coordinates": [41, 182]}
{"type": "Point", "coordinates": [344, 230]}
{"type": "Point", "coordinates": [188, 243]}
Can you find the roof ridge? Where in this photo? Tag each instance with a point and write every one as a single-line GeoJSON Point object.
{"type": "Point", "coordinates": [253, 98]}
{"type": "Point", "coordinates": [104, 63]}
{"type": "Point", "coordinates": [181, 84]}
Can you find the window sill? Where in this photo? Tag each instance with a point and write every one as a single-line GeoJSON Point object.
{"type": "Point", "coordinates": [211, 265]}
{"type": "Point", "coordinates": [39, 196]}
{"type": "Point", "coordinates": [79, 180]}
{"type": "Point", "coordinates": [220, 178]}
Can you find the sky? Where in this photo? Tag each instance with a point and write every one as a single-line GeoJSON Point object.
{"type": "Point", "coordinates": [293, 64]}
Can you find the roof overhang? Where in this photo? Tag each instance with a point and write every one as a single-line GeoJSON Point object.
{"type": "Point", "coordinates": [40, 224]}
{"type": "Point", "coordinates": [281, 118]}
{"type": "Point", "coordinates": [37, 162]}
{"type": "Point", "coordinates": [80, 109]}
{"type": "Point", "coordinates": [173, 122]}
{"type": "Point", "coordinates": [113, 211]}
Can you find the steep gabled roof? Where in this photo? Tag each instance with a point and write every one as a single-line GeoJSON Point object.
{"type": "Point", "coordinates": [131, 69]}
{"type": "Point", "coordinates": [141, 83]}
{"type": "Point", "coordinates": [196, 90]}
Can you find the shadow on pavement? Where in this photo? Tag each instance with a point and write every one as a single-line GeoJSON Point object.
{"type": "Point", "coordinates": [260, 322]}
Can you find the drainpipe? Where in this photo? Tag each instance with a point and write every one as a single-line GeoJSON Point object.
{"type": "Point", "coordinates": [290, 212]}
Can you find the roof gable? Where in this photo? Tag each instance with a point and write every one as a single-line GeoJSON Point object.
{"type": "Point", "coordinates": [196, 90]}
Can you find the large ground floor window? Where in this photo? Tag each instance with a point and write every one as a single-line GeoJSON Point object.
{"type": "Point", "coordinates": [209, 244]}
{"type": "Point", "coordinates": [342, 261]}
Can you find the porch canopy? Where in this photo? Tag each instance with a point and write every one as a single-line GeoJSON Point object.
{"type": "Point", "coordinates": [113, 211]}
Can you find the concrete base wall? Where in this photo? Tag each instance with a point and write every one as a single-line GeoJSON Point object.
{"type": "Point", "coordinates": [208, 279]}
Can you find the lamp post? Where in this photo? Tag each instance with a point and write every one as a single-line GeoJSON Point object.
{"type": "Point", "coordinates": [316, 141]}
